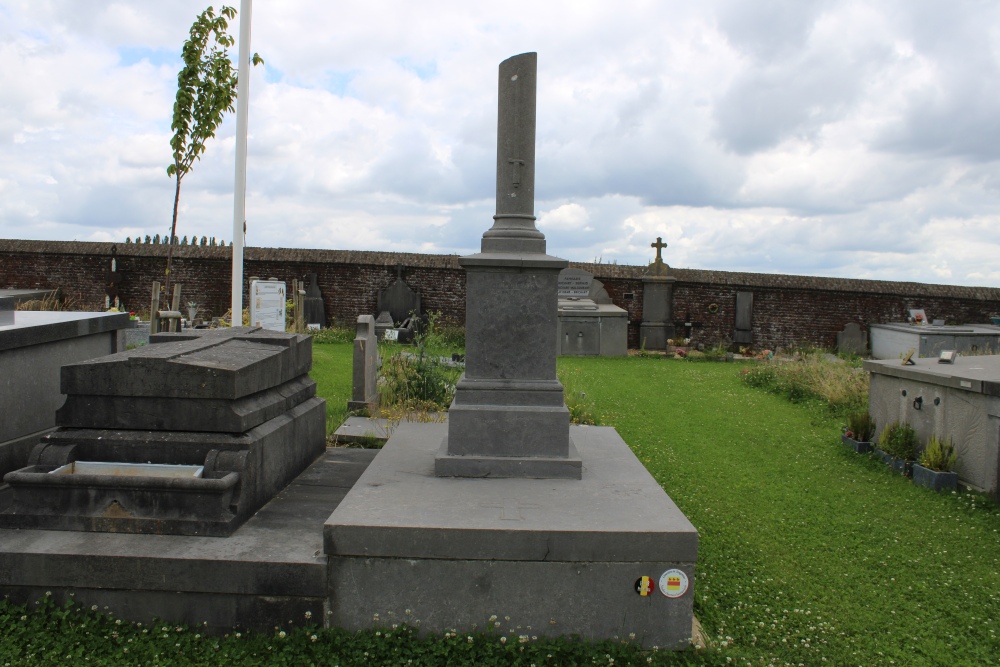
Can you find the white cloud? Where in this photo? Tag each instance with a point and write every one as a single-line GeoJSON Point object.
{"type": "Point", "coordinates": [826, 137]}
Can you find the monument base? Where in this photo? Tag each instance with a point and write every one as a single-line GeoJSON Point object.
{"type": "Point", "coordinates": [556, 556]}
{"type": "Point", "coordinates": [536, 467]}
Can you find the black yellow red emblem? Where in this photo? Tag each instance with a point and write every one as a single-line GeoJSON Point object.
{"type": "Point", "coordinates": [645, 586]}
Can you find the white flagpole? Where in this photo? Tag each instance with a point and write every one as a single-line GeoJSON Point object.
{"type": "Point", "coordinates": [240, 191]}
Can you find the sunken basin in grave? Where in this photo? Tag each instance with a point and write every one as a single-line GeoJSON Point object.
{"type": "Point", "coordinates": [190, 435]}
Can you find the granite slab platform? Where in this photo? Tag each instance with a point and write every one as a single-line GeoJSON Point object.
{"type": "Point", "coordinates": [562, 556]}
{"type": "Point", "coordinates": [270, 571]}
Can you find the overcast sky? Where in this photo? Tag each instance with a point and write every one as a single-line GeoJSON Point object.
{"type": "Point", "coordinates": [830, 138]}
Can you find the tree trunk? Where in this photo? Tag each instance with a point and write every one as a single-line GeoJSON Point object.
{"type": "Point", "coordinates": [173, 229]}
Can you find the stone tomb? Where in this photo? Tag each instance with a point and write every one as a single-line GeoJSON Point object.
{"type": "Point", "coordinates": [507, 509]}
{"type": "Point", "coordinates": [589, 324]}
{"type": "Point", "coordinates": [34, 345]}
{"type": "Point", "coordinates": [892, 341]}
{"type": "Point", "coordinates": [189, 435]}
{"type": "Point", "coordinates": [960, 400]}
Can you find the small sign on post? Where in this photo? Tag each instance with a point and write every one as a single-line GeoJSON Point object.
{"type": "Point", "coordinates": [267, 304]}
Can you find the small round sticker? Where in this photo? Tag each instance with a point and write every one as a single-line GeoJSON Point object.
{"type": "Point", "coordinates": [644, 586]}
{"type": "Point", "coordinates": [673, 583]}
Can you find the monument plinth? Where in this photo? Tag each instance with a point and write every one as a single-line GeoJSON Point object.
{"type": "Point", "coordinates": [508, 418]}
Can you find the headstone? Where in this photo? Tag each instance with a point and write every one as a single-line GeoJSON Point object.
{"type": "Point", "coordinates": [267, 304]}
{"type": "Point", "coordinates": [315, 310]}
{"type": "Point", "coordinates": [399, 299]}
{"type": "Point", "coordinates": [853, 339]}
{"type": "Point", "coordinates": [112, 278]}
{"type": "Point", "coordinates": [573, 504]}
{"type": "Point", "coordinates": [657, 302]}
{"type": "Point", "coordinates": [495, 427]}
{"type": "Point", "coordinates": [383, 324]}
{"type": "Point", "coordinates": [744, 318]}
{"type": "Point", "coordinates": [575, 284]}
{"type": "Point", "coordinates": [366, 363]}
{"type": "Point", "coordinates": [588, 327]}
{"type": "Point", "coordinates": [189, 435]}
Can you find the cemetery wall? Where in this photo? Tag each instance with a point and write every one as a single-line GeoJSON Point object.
{"type": "Point", "coordinates": [787, 310]}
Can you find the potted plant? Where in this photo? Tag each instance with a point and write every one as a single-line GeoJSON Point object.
{"type": "Point", "coordinates": [859, 432]}
{"type": "Point", "coordinates": [898, 447]}
{"type": "Point", "coordinates": [934, 470]}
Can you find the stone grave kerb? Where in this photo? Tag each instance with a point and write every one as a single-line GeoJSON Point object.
{"type": "Point", "coordinates": [509, 418]}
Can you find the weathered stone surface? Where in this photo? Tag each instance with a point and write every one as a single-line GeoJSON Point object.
{"type": "Point", "coordinates": [210, 363]}
{"type": "Point", "coordinates": [184, 414]}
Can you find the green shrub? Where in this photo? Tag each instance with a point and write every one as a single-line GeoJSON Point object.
{"type": "Point", "coordinates": [939, 455]}
{"type": "Point", "coordinates": [860, 426]}
{"type": "Point", "coordinates": [419, 381]}
{"type": "Point", "coordinates": [899, 440]}
{"type": "Point", "coordinates": [582, 410]}
{"type": "Point", "coordinates": [443, 334]}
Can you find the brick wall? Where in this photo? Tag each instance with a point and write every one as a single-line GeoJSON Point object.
{"type": "Point", "coordinates": [787, 310]}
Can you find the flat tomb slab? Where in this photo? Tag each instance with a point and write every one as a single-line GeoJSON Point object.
{"type": "Point", "coordinates": [210, 363]}
{"type": "Point", "coordinates": [563, 556]}
{"type": "Point", "coordinates": [270, 570]}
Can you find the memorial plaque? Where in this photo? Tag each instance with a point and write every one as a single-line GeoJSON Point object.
{"type": "Point", "coordinates": [267, 304]}
{"type": "Point", "coordinates": [575, 284]}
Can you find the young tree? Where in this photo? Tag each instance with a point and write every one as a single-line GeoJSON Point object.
{"type": "Point", "coordinates": [206, 90]}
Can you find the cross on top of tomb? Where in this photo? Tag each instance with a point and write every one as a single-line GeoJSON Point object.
{"type": "Point", "coordinates": [659, 268]}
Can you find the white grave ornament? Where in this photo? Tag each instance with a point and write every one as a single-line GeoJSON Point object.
{"type": "Point", "coordinates": [267, 304]}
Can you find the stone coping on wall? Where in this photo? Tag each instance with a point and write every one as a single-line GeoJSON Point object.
{"type": "Point", "coordinates": [600, 270]}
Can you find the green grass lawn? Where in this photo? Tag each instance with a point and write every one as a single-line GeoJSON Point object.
{"type": "Point", "coordinates": [809, 554]}
{"type": "Point", "coordinates": [333, 369]}
{"type": "Point", "coordinates": [807, 551]}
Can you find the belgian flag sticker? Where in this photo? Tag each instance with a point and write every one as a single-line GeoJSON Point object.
{"type": "Point", "coordinates": [644, 586]}
{"type": "Point", "coordinates": [673, 583]}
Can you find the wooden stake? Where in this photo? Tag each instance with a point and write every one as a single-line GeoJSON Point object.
{"type": "Point", "coordinates": [175, 305]}
{"type": "Point", "coordinates": [154, 309]}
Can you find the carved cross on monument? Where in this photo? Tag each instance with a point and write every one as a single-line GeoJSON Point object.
{"type": "Point", "coordinates": [516, 176]}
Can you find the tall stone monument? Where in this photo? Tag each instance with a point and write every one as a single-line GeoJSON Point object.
{"type": "Point", "coordinates": [508, 418]}
{"type": "Point", "coordinates": [657, 302]}
{"type": "Point", "coordinates": [508, 510]}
